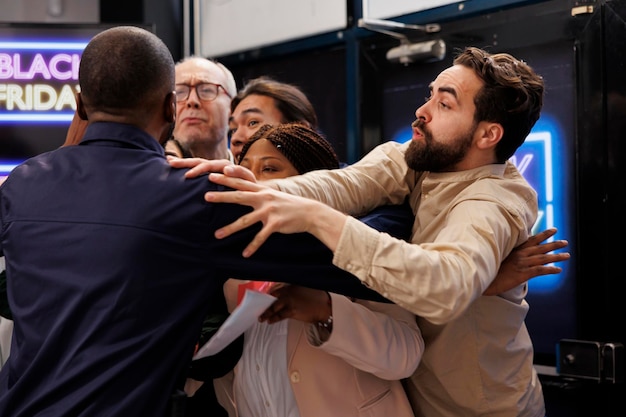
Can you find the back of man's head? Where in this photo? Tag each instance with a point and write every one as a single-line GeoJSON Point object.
{"type": "Point", "coordinates": [125, 68]}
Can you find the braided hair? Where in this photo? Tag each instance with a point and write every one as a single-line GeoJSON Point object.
{"type": "Point", "coordinates": [306, 149]}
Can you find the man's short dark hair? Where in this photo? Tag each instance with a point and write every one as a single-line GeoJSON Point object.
{"type": "Point", "coordinates": [512, 95]}
{"type": "Point", "coordinates": [124, 68]}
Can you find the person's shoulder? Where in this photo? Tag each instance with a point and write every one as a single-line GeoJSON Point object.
{"type": "Point", "coordinates": [388, 154]}
{"type": "Point", "coordinates": [392, 146]}
{"type": "Point", "coordinates": [512, 180]}
{"type": "Point", "coordinates": [30, 166]}
{"type": "Point", "coordinates": [196, 184]}
{"type": "Point", "coordinates": [505, 186]}
{"type": "Point", "coordinates": [495, 177]}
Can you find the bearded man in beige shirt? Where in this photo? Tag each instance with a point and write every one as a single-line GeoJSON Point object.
{"type": "Point", "coordinates": [472, 208]}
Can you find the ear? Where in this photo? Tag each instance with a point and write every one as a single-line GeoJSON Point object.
{"type": "Point", "coordinates": [169, 109]}
{"type": "Point", "coordinates": [489, 135]}
{"type": "Point", "coordinates": [80, 107]}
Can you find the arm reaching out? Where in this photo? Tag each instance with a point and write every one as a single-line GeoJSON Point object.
{"type": "Point", "coordinates": [285, 213]}
{"type": "Point", "coordinates": [527, 261]}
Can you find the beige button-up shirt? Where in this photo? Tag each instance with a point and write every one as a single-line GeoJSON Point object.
{"type": "Point", "coordinates": [478, 358]}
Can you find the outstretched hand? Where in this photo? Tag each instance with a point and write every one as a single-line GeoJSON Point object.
{"type": "Point", "coordinates": [529, 260]}
{"type": "Point", "coordinates": [276, 210]}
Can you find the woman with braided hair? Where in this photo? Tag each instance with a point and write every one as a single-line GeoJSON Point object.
{"type": "Point", "coordinates": [305, 149]}
{"type": "Point", "coordinates": [339, 357]}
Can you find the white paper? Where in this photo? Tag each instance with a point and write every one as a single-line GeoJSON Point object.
{"type": "Point", "coordinates": [241, 319]}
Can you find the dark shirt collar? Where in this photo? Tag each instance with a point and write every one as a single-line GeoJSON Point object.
{"type": "Point", "coordinates": [120, 134]}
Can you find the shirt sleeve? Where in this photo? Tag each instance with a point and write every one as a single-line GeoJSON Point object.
{"type": "Point", "coordinates": [436, 280]}
{"type": "Point", "coordinates": [381, 177]}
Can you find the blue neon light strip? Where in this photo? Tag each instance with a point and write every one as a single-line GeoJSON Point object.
{"type": "Point", "coordinates": [536, 160]}
{"type": "Point", "coordinates": [39, 117]}
{"type": "Point", "coordinates": [6, 168]}
{"type": "Point", "coordinates": [538, 147]}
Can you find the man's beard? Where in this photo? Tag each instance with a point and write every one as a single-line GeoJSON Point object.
{"type": "Point", "coordinates": [430, 155]}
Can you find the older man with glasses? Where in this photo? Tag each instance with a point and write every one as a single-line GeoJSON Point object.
{"type": "Point", "coordinates": [204, 89]}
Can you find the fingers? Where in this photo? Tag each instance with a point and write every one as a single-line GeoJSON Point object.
{"type": "Point", "coordinates": [184, 162]}
{"type": "Point", "coordinates": [239, 224]}
{"type": "Point", "coordinates": [256, 243]}
{"type": "Point", "coordinates": [531, 265]}
{"type": "Point", "coordinates": [534, 243]}
{"type": "Point", "coordinates": [234, 197]}
{"type": "Point", "coordinates": [239, 171]}
{"type": "Point", "coordinates": [550, 258]}
{"type": "Point", "coordinates": [242, 184]}
{"type": "Point", "coordinates": [549, 247]}
{"type": "Point", "coordinates": [540, 270]}
{"type": "Point", "coordinates": [273, 313]}
{"type": "Point", "coordinates": [260, 197]}
{"type": "Point", "coordinates": [216, 165]}
{"type": "Point", "coordinates": [540, 237]}
{"type": "Point", "coordinates": [198, 166]}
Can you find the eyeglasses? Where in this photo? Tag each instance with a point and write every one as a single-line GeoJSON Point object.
{"type": "Point", "coordinates": [204, 91]}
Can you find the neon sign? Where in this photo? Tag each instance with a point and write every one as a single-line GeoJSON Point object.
{"type": "Point", "coordinates": [38, 80]}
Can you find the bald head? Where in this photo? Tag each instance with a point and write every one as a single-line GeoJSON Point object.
{"type": "Point", "coordinates": [194, 66]}
{"type": "Point", "coordinates": [125, 71]}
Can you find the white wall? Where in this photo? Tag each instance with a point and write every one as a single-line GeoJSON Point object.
{"type": "Point", "coordinates": [226, 27]}
{"type": "Point", "coordinates": [384, 9]}
{"type": "Point", "coordinates": [50, 11]}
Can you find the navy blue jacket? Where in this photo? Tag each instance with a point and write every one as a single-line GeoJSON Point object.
{"type": "Point", "coordinates": [111, 262]}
